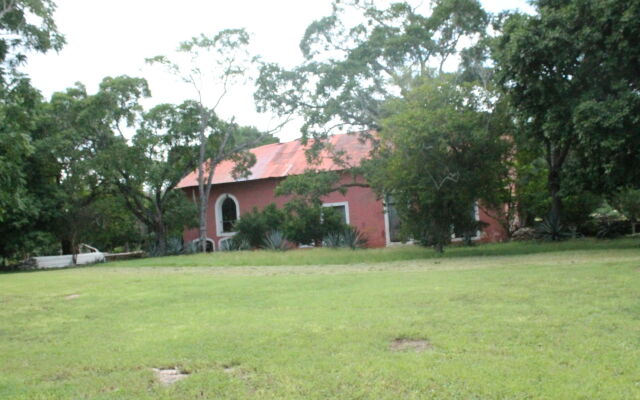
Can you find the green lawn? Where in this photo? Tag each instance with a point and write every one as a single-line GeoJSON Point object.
{"type": "Point", "coordinates": [325, 256]}
{"type": "Point", "coordinates": [548, 322]}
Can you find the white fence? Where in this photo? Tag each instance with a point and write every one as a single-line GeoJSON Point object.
{"type": "Point", "coordinates": [67, 260]}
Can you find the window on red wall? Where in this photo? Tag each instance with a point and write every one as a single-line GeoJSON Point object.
{"type": "Point", "coordinates": [342, 208]}
{"type": "Point", "coordinates": [229, 215]}
{"type": "Point", "coordinates": [459, 234]}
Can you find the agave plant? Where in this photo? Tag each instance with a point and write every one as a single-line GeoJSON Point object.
{"type": "Point", "coordinates": [333, 239]}
{"type": "Point", "coordinates": [275, 240]}
{"type": "Point", "coordinates": [353, 238]}
{"type": "Point", "coordinates": [173, 247]}
{"type": "Point", "coordinates": [234, 244]}
{"type": "Point", "coordinates": [552, 229]}
{"type": "Point", "coordinates": [349, 237]}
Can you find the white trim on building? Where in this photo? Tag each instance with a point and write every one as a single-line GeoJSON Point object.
{"type": "Point", "coordinates": [344, 204]}
{"type": "Point", "coordinates": [218, 213]}
{"type": "Point", "coordinates": [476, 214]}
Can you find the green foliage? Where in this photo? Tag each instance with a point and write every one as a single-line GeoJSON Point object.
{"type": "Point", "coordinates": [109, 224]}
{"type": "Point", "coordinates": [217, 62]}
{"type": "Point", "coordinates": [310, 186]}
{"type": "Point", "coordinates": [147, 171]}
{"type": "Point", "coordinates": [441, 151]}
{"type": "Point", "coordinates": [25, 25]}
{"type": "Point", "coordinates": [21, 171]}
{"type": "Point", "coordinates": [360, 56]}
{"type": "Point", "coordinates": [350, 237]}
{"type": "Point", "coordinates": [172, 247]}
{"type": "Point", "coordinates": [59, 175]}
{"type": "Point", "coordinates": [570, 71]}
{"type": "Point", "coordinates": [578, 208]}
{"type": "Point", "coordinates": [552, 229]}
{"type": "Point", "coordinates": [627, 201]}
{"type": "Point", "coordinates": [81, 133]}
{"type": "Point", "coordinates": [275, 240]}
{"type": "Point", "coordinates": [608, 222]}
{"type": "Point", "coordinates": [532, 195]}
{"type": "Point", "coordinates": [308, 223]}
{"type": "Point", "coordinates": [236, 244]}
{"type": "Point", "coordinates": [253, 227]}
{"type": "Point", "coordinates": [300, 222]}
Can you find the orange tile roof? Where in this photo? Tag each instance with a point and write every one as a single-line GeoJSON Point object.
{"type": "Point", "coordinates": [282, 159]}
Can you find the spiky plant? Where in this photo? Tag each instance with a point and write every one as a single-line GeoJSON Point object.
{"type": "Point", "coordinates": [275, 240]}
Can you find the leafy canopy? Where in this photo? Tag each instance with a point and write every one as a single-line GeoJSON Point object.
{"type": "Point", "coordinates": [440, 152]}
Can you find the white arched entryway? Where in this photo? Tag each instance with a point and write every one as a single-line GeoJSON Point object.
{"type": "Point", "coordinates": [227, 212]}
{"type": "Point", "coordinates": [211, 245]}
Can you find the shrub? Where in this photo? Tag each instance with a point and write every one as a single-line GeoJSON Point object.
{"type": "Point", "coordinates": [310, 223]}
{"type": "Point", "coordinates": [611, 229]}
{"type": "Point", "coordinates": [627, 201]}
{"type": "Point", "coordinates": [577, 210]}
{"type": "Point", "coordinates": [252, 227]}
{"type": "Point", "coordinates": [524, 234]}
{"type": "Point", "coordinates": [174, 247]}
{"type": "Point", "coordinates": [607, 223]}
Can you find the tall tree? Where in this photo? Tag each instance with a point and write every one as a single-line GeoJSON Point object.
{"type": "Point", "coordinates": [80, 128]}
{"type": "Point", "coordinates": [26, 25]}
{"type": "Point", "coordinates": [147, 171]}
{"type": "Point", "coordinates": [350, 70]}
{"type": "Point", "coordinates": [440, 151]}
{"type": "Point", "coordinates": [25, 175]}
{"type": "Point", "coordinates": [571, 73]}
{"type": "Point", "coordinates": [217, 63]}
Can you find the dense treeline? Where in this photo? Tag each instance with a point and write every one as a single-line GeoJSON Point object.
{"type": "Point", "coordinates": [539, 120]}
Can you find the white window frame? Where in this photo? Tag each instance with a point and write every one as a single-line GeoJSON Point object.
{"type": "Point", "coordinates": [476, 212]}
{"type": "Point", "coordinates": [339, 204]}
{"type": "Point", "coordinates": [218, 213]}
{"type": "Point", "coordinates": [387, 225]}
{"type": "Point", "coordinates": [387, 234]}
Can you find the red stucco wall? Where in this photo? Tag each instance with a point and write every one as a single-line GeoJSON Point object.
{"type": "Point", "coordinates": [365, 211]}
{"type": "Point", "coordinates": [493, 232]}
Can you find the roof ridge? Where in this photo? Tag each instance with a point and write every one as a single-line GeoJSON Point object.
{"type": "Point", "coordinates": [278, 160]}
{"type": "Point", "coordinates": [299, 139]}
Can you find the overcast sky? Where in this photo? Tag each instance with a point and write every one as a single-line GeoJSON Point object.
{"type": "Point", "coordinates": [111, 38]}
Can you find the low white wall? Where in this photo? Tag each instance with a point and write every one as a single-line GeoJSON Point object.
{"type": "Point", "coordinates": [67, 260]}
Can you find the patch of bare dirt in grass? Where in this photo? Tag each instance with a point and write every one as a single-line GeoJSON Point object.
{"type": "Point", "coordinates": [409, 344]}
{"type": "Point", "coordinates": [169, 376]}
{"type": "Point", "coordinates": [72, 296]}
{"type": "Point", "coordinates": [235, 370]}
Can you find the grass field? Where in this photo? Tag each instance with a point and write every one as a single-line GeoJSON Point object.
{"type": "Point", "coordinates": [326, 256]}
{"type": "Point", "coordinates": [555, 321]}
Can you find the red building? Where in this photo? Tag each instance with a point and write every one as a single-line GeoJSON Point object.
{"type": "Point", "coordinates": [231, 198]}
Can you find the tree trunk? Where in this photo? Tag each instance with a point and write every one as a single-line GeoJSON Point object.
{"type": "Point", "coordinates": [66, 246]}
{"type": "Point", "coordinates": [74, 250]}
{"type": "Point", "coordinates": [203, 219]}
{"type": "Point", "coordinates": [161, 238]}
{"type": "Point", "coordinates": [554, 191]}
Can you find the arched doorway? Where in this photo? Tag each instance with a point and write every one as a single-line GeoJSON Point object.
{"type": "Point", "coordinates": [227, 213]}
